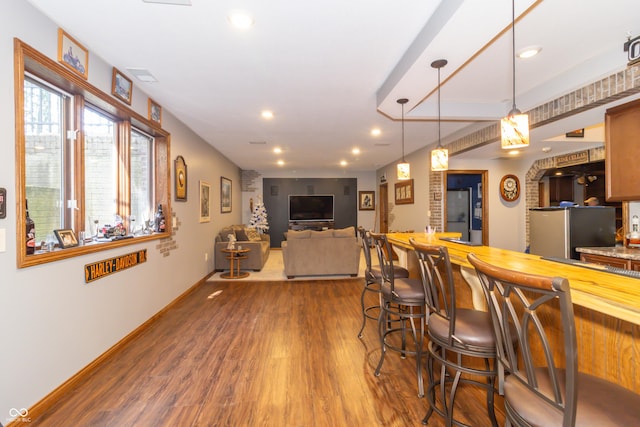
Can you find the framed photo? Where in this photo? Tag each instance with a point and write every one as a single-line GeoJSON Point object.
{"type": "Point", "coordinates": [72, 54]}
{"type": "Point", "coordinates": [225, 195]}
{"type": "Point", "coordinates": [404, 192]}
{"type": "Point", "coordinates": [205, 201]}
{"type": "Point", "coordinates": [366, 200]}
{"type": "Point", "coordinates": [66, 238]}
{"type": "Point", "coordinates": [155, 112]}
{"type": "Point", "coordinates": [121, 86]}
{"type": "Point", "coordinates": [180, 179]}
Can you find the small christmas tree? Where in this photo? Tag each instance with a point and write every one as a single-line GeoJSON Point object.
{"type": "Point", "coordinates": [259, 218]}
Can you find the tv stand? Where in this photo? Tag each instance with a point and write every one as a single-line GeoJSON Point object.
{"type": "Point", "coordinates": [311, 225]}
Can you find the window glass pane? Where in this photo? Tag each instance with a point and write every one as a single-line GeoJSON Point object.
{"type": "Point", "coordinates": [44, 156]}
{"type": "Point", "coordinates": [101, 170]}
{"type": "Point", "coordinates": [141, 178]}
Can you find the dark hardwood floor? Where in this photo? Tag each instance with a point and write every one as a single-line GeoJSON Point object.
{"type": "Point", "coordinates": [257, 354]}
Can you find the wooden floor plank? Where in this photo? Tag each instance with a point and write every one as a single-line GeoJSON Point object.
{"type": "Point", "coordinates": [257, 354]}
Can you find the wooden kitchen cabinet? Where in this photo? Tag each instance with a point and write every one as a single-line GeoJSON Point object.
{"type": "Point", "coordinates": [622, 152]}
{"type": "Point", "coordinates": [608, 260]}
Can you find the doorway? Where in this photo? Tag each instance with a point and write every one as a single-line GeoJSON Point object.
{"type": "Point", "coordinates": [465, 205]}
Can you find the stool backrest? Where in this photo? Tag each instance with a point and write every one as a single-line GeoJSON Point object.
{"type": "Point", "coordinates": [437, 279]}
{"type": "Point", "coordinates": [524, 309]}
{"type": "Point", "coordinates": [383, 248]}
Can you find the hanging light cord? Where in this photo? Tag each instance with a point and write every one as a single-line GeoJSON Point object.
{"type": "Point", "coordinates": [514, 110]}
{"type": "Point", "coordinates": [439, 142]}
{"type": "Point", "coordinates": [402, 132]}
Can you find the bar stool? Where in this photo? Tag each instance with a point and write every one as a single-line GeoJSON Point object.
{"type": "Point", "coordinates": [372, 280]}
{"type": "Point", "coordinates": [403, 300]}
{"type": "Point", "coordinates": [461, 340]}
{"type": "Point", "coordinates": [541, 388]}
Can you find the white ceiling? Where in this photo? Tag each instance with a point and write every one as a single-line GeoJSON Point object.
{"type": "Point", "coordinates": [333, 70]}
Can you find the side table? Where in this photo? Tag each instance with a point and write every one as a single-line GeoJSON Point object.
{"type": "Point", "coordinates": [235, 256]}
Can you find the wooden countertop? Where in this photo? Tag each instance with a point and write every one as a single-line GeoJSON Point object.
{"type": "Point", "coordinates": [608, 293]}
{"type": "Point", "coordinates": [615, 251]}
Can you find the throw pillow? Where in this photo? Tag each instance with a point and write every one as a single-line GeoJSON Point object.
{"type": "Point", "coordinates": [303, 234]}
{"type": "Point", "coordinates": [241, 235]}
{"type": "Point", "coordinates": [224, 233]}
{"type": "Point", "coordinates": [252, 234]}
{"type": "Point", "coordinates": [323, 233]}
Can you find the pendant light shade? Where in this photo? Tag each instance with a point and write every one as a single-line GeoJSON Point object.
{"type": "Point", "coordinates": [404, 169]}
{"type": "Point", "coordinates": [514, 127]}
{"type": "Point", "coordinates": [440, 155]}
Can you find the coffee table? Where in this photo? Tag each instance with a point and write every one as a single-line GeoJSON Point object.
{"type": "Point", "coordinates": [235, 256]}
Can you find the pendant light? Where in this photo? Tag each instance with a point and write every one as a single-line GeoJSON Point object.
{"type": "Point", "coordinates": [515, 127]}
{"type": "Point", "coordinates": [404, 169]}
{"type": "Point", "coordinates": [440, 155]}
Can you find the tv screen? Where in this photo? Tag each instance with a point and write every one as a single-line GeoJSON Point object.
{"type": "Point", "coordinates": [311, 208]}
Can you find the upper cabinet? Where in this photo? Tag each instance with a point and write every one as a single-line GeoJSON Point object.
{"type": "Point", "coordinates": [622, 152]}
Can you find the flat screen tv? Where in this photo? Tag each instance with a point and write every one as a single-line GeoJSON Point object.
{"type": "Point", "coordinates": [311, 208]}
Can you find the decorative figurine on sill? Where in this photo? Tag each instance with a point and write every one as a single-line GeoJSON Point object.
{"type": "Point", "coordinates": [232, 241]}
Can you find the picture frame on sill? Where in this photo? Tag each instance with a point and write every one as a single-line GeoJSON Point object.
{"type": "Point", "coordinates": [180, 178]}
{"type": "Point", "coordinates": [366, 200]}
{"type": "Point", "coordinates": [121, 86]}
{"type": "Point", "coordinates": [225, 195]}
{"type": "Point", "coordinates": [72, 54]}
{"type": "Point", "coordinates": [155, 112]}
{"type": "Point", "coordinates": [205, 201]}
{"type": "Point", "coordinates": [404, 192]}
{"type": "Point", "coordinates": [66, 238]}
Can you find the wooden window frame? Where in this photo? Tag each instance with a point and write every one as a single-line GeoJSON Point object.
{"type": "Point", "coordinates": [29, 60]}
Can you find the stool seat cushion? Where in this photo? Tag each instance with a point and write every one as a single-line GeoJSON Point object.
{"type": "Point", "coordinates": [405, 289]}
{"type": "Point", "coordinates": [398, 272]}
{"type": "Point", "coordinates": [600, 402]}
{"type": "Point", "coordinates": [473, 328]}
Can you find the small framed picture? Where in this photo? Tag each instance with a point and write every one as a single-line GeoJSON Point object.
{"type": "Point", "coordinates": [121, 86]}
{"type": "Point", "coordinates": [366, 200]}
{"type": "Point", "coordinates": [404, 192]}
{"type": "Point", "coordinates": [205, 193]}
{"type": "Point", "coordinates": [155, 112]}
{"type": "Point", "coordinates": [225, 195]}
{"type": "Point", "coordinates": [66, 238]}
{"type": "Point", "coordinates": [180, 179]}
{"type": "Point", "coordinates": [72, 54]}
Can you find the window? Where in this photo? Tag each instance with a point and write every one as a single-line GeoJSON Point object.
{"type": "Point", "coordinates": [84, 159]}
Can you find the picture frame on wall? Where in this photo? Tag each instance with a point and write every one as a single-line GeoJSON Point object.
{"type": "Point", "coordinates": [66, 238]}
{"type": "Point", "coordinates": [121, 86]}
{"type": "Point", "coordinates": [180, 177]}
{"type": "Point", "coordinates": [404, 192]}
{"type": "Point", "coordinates": [72, 54]}
{"type": "Point", "coordinates": [205, 201]}
{"type": "Point", "coordinates": [366, 200]}
{"type": "Point", "coordinates": [225, 195]}
{"type": "Point", "coordinates": [155, 112]}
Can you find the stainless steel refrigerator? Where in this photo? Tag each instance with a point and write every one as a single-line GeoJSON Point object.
{"type": "Point", "coordinates": [557, 232]}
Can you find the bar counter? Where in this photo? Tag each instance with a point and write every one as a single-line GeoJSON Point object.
{"type": "Point", "coordinates": [605, 292]}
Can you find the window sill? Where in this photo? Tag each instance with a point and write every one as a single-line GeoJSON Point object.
{"type": "Point", "coordinates": [43, 257]}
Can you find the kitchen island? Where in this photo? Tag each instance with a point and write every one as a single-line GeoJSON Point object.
{"type": "Point", "coordinates": [606, 305]}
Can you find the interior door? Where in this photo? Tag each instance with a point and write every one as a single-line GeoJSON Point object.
{"type": "Point", "coordinates": [384, 208]}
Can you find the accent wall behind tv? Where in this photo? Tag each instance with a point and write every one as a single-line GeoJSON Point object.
{"type": "Point", "coordinates": [276, 193]}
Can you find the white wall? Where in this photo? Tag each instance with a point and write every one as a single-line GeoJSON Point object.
{"type": "Point", "coordinates": [53, 323]}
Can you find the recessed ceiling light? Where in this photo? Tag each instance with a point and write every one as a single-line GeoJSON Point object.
{"type": "Point", "coordinates": [514, 152]}
{"type": "Point", "coordinates": [175, 2]}
{"type": "Point", "coordinates": [375, 132]}
{"type": "Point", "coordinates": [528, 52]}
{"type": "Point", "coordinates": [277, 150]}
{"type": "Point", "coordinates": [267, 114]}
{"type": "Point", "coordinates": [142, 74]}
{"type": "Point", "coordinates": [546, 149]}
{"type": "Point", "coordinates": [241, 20]}
{"type": "Point", "coordinates": [343, 163]}
{"type": "Point", "coordinates": [280, 162]}
{"type": "Point", "coordinates": [355, 151]}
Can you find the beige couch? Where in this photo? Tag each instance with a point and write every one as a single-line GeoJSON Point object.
{"type": "Point", "coordinates": [328, 252]}
{"type": "Point", "coordinates": [259, 245]}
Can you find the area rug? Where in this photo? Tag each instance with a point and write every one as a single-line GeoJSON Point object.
{"type": "Point", "coordinates": [273, 270]}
